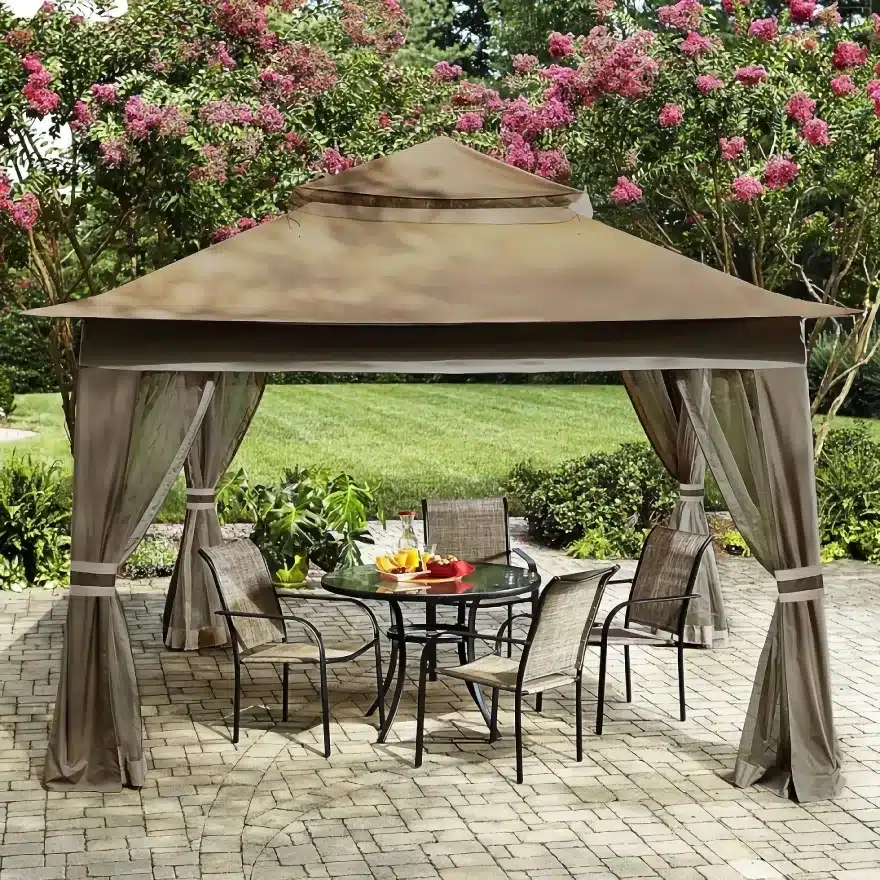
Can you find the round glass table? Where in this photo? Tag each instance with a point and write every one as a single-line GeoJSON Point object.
{"type": "Point", "coordinates": [487, 582]}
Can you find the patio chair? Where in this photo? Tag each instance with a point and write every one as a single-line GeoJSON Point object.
{"type": "Point", "coordinates": [476, 530]}
{"type": "Point", "coordinates": [552, 655]}
{"type": "Point", "coordinates": [258, 627]}
{"type": "Point", "coordinates": [662, 589]}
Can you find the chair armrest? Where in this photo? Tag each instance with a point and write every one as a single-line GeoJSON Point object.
{"type": "Point", "coordinates": [606, 625]}
{"type": "Point", "coordinates": [621, 581]}
{"type": "Point", "coordinates": [509, 622]}
{"type": "Point", "coordinates": [306, 624]}
{"type": "Point", "coordinates": [530, 563]}
{"type": "Point", "coordinates": [332, 597]}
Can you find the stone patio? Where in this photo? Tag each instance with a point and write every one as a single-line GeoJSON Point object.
{"type": "Point", "coordinates": [651, 798]}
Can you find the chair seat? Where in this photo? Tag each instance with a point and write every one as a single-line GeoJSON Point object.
{"type": "Point", "coordinates": [618, 635]}
{"type": "Point", "coordinates": [304, 652]}
{"type": "Point", "coordinates": [501, 672]}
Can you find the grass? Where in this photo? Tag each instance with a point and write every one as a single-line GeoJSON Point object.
{"type": "Point", "coordinates": [410, 440]}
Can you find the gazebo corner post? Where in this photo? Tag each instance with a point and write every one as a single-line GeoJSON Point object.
{"type": "Point", "coordinates": [757, 437]}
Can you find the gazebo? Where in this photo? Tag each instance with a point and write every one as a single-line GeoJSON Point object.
{"type": "Point", "coordinates": [437, 259]}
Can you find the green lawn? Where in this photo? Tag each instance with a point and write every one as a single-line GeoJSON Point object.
{"type": "Point", "coordinates": [411, 440]}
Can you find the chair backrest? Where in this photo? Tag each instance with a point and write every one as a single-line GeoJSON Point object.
{"type": "Point", "coordinates": [473, 529]}
{"type": "Point", "coordinates": [566, 613]}
{"type": "Point", "coordinates": [245, 585]}
{"type": "Point", "coordinates": [668, 566]}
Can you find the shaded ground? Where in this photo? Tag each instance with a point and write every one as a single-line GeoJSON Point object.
{"type": "Point", "coordinates": [649, 800]}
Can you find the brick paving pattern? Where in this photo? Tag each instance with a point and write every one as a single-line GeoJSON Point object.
{"type": "Point", "coordinates": [651, 798]}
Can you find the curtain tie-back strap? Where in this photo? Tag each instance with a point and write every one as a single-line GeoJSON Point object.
{"type": "Point", "coordinates": [201, 499]}
{"type": "Point", "coordinates": [690, 490]}
{"type": "Point", "coordinates": [93, 578]}
{"type": "Point", "coordinates": [799, 584]}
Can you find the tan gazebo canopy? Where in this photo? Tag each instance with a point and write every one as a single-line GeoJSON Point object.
{"type": "Point", "coordinates": [437, 259]}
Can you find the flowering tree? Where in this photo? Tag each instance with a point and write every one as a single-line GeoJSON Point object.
{"type": "Point", "coordinates": [751, 144]}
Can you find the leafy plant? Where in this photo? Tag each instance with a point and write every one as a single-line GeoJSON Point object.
{"type": "Point", "coordinates": [600, 506]}
{"type": "Point", "coordinates": [235, 500]}
{"type": "Point", "coordinates": [12, 574]}
{"type": "Point", "coordinates": [312, 516]}
{"type": "Point", "coordinates": [155, 556]}
{"type": "Point", "coordinates": [732, 542]}
{"type": "Point", "coordinates": [7, 398]}
{"type": "Point", "coordinates": [35, 507]}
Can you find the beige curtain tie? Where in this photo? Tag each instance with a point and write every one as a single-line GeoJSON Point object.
{"type": "Point", "coordinates": [93, 578]}
{"type": "Point", "coordinates": [785, 576]}
{"type": "Point", "coordinates": [201, 499]}
{"type": "Point", "coordinates": [690, 491]}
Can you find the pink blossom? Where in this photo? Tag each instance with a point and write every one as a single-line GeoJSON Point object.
{"type": "Point", "coordinates": [745, 188]}
{"type": "Point", "coordinates": [627, 70]}
{"type": "Point", "coordinates": [686, 15]}
{"type": "Point", "coordinates": [553, 165]}
{"type": "Point", "coordinates": [245, 20]}
{"type": "Point", "coordinates": [219, 112]}
{"type": "Point", "coordinates": [172, 123]}
{"type": "Point", "coordinates": [41, 100]}
{"type": "Point", "coordinates": [18, 38]}
{"type": "Point", "coordinates": [730, 6]}
{"type": "Point", "coordinates": [801, 10]}
{"type": "Point", "coordinates": [671, 115]}
{"type": "Point", "coordinates": [245, 223]}
{"type": "Point", "coordinates": [732, 148]}
{"type": "Point", "coordinates": [5, 189]}
{"type": "Point", "coordinates": [77, 19]}
{"type": "Point", "coordinates": [47, 8]}
{"type": "Point", "coordinates": [223, 233]}
{"type": "Point", "coordinates": [779, 172]}
{"type": "Point", "coordinates": [849, 54]}
{"type": "Point", "coordinates": [875, 23]}
{"type": "Point", "coordinates": [751, 75]}
{"type": "Point", "coordinates": [560, 45]}
{"type": "Point", "coordinates": [469, 122]}
{"type": "Point", "coordinates": [82, 117]}
{"type": "Point", "coordinates": [215, 167]}
{"type": "Point", "coordinates": [625, 192]}
{"type": "Point", "coordinates": [554, 114]}
{"type": "Point", "coordinates": [524, 63]}
{"type": "Point", "coordinates": [32, 63]}
{"type": "Point", "coordinates": [104, 93]}
{"type": "Point", "coordinates": [293, 142]}
{"type": "Point", "coordinates": [603, 9]}
{"type": "Point", "coordinates": [707, 82]}
{"type": "Point", "coordinates": [470, 94]}
{"type": "Point", "coordinates": [446, 72]}
{"type": "Point", "coordinates": [828, 16]}
{"type": "Point", "coordinates": [519, 153]}
{"type": "Point", "coordinates": [815, 131]}
{"type": "Point", "coordinates": [221, 57]}
{"type": "Point", "coordinates": [842, 85]}
{"type": "Point", "coordinates": [383, 120]}
{"type": "Point", "coordinates": [764, 29]}
{"type": "Point", "coordinates": [40, 80]}
{"type": "Point", "coordinates": [269, 118]}
{"type": "Point", "coordinates": [519, 118]}
{"type": "Point", "coordinates": [695, 45]}
{"type": "Point", "coordinates": [800, 107]}
{"type": "Point", "coordinates": [333, 162]}
{"type": "Point", "coordinates": [809, 43]}
{"type": "Point", "coordinates": [113, 153]}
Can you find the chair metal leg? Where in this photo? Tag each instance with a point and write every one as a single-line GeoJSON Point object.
{"type": "Point", "coordinates": [236, 702]}
{"type": "Point", "coordinates": [579, 718]}
{"type": "Point", "coordinates": [627, 674]}
{"type": "Point", "coordinates": [510, 630]}
{"type": "Point", "coordinates": [424, 670]}
{"type": "Point", "coordinates": [380, 692]}
{"type": "Point", "coordinates": [493, 717]}
{"type": "Point", "coordinates": [517, 709]}
{"type": "Point", "coordinates": [285, 673]}
{"type": "Point", "coordinates": [682, 713]}
{"type": "Point", "coordinates": [325, 710]}
{"type": "Point", "coordinates": [600, 703]}
{"type": "Point", "coordinates": [389, 677]}
{"type": "Point", "coordinates": [539, 702]}
{"type": "Point", "coordinates": [401, 672]}
{"type": "Point", "coordinates": [431, 626]}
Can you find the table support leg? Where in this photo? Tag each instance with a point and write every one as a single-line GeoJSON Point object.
{"type": "Point", "coordinates": [431, 626]}
{"type": "Point", "coordinates": [467, 654]}
{"type": "Point", "coordinates": [397, 622]}
{"type": "Point", "coordinates": [389, 677]}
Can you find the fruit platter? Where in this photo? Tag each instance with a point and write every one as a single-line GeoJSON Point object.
{"type": "Point", "coordinates": [411, 565]}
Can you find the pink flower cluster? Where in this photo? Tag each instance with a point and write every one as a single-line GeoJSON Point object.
{"type": "Point", "coordinates": [621, 68]}
{"type": "Point", "coordinates": [848, 54]}
{"type": "Point", "coordinates": [269, 118]}
{"type": "Point", "coordinates": [225, 112]}
{"type": "Point", "coordinates": [625, 192]}
{"type": "Point", "coordinates": [143, 119]}
{"type": "Point", "coordinates": [446, 72]}
{"type": "Point", "coordinates": [220, 57]}
{"type": "Point", "coordinates": [18, 39]}
{"type": "Point", "coordinates": [873, 90]}
{"type": "Point", "coordinates": [801, 11]}
{"type": "Point", "coordinates": [383, 120]}
{"type": "Point", "coordinates": [815, 131]}
{"type": "Point", "coordinates": [293, 142]}
{"type": "Point", "coordinates": [527, 122]}
{"type": "Point", "coordinates": [41, 99]}
{"type": "Point", "coordinates": [215, 166]}
{"type": "Point", "coordinates": [800, 107]}
{"type": "Point", "coordinates": [707, 82]}
{"type": "Point", "coordinates": [779, 172]}
{"type": "Point", "coordinates": [764, 29]}
{"type": "Point", "coordinates": [553, 165]}
{"type": "Point", "coordinates": [240, 225]}
{"type": "Point", "coordinates": [695, 45]}
{"type": "Point", "coordinates": [469, 122]}
{"type": "Point", "coordinates": [828, 16]}
{"type": "Point", "coordinates": [671, 115]}
{"type": "Point", "coordinates": [297, 72]}
{"type": "Point", "coordinates": [470, 94]}
{"type": "Point", "coordinates": [730, 6]}
{"type": "Point", "coordinates": [560, 45]}
{"type": "Point", "coordinates": [333, 162]}
{"type": "Point", "coordinates": [732, 148]}
{"type": "Point", "coordinates": [113, 153]}
{"type": "Point", "coordinates": [24, 211]}
{"type": "Point", "coordinates": [745, 188]}
{"type": "Point", "coordinates": [105, 93]}
{"type": "Point", "coordinates": [82, 117]}
{"type": "Point", "coordinates": [519, 153]}
{"type": "Point", "coordinates": [245, 20]}
{"type": "Point", "coordinates": [381, 25]}
{"type": "Point", "coordinates": [842, 85]}
{"type": "Point", "coordinates": [751, 75]}
{"type": "Point", "coordinates": [603, 8]}
{"type": "Point", "coordinates": [686, 15]}
{"type": "Point", "coordinates": [524, 63]}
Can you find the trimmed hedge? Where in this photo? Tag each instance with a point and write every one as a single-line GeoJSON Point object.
{"type": "Point", "coordinates": [24, 349]}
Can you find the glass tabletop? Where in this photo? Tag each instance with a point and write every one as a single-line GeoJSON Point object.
{"type": "Point", "coordinates": [487, 581]}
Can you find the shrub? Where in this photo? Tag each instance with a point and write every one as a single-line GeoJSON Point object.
{"type": "Point", "coordinates": [600, 505]}
{"type": "Point", "coordinates": [35, 507]}
{"type": "Point", "coordinates": [306, 378]}
{"type": "Point", "coordinates": [848, 486]}
{"type": "Point", "coordinates": [864, 397]}
{"type": "Point", "coordinates": [154, 557]}
{"type": "Point", "coordinates": [7, 398]}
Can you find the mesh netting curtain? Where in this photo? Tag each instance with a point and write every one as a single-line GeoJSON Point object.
{"type": "Point", "coordinates": [190, 621]}
{"type": "Point", "coordinates": [133, 430]}
{"type": "Point", "coordinates": [757, 436]}
{"type": "Point", "coordinates": [658, 405]}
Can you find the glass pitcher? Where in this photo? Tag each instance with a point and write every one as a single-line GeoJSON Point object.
{"type": "Point", "coordinates": [408, 539]}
